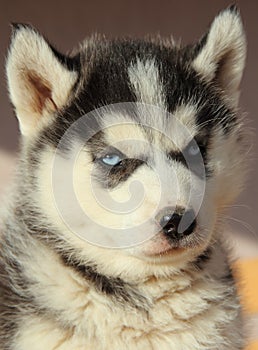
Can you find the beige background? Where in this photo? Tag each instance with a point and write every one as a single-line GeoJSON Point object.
{"type": "Point", "coordinates": [65, 23]}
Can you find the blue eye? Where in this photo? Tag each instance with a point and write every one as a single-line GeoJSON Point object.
{"type": "Point", "coordinates": [111, 159]}
{"type": "Point", "coordinates": [193, 150]}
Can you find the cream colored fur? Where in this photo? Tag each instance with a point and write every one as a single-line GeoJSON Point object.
{"type": "Point", "coordinates": [183, 308]}
{"type": "Point", "coordinates": [30, 55]}
{"type": "Point", "coordinates": [225, 46]}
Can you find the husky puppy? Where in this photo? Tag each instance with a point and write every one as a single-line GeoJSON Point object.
{"type": "Point", "coordinates": [131, 150]}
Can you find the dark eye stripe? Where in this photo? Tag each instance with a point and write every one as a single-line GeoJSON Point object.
{"type": "Point", "coordinates": [193, 163]}
{"type": "Point", "coordinates": [112, 177]}
{"type": "Point", "coordinates": [178, 157]}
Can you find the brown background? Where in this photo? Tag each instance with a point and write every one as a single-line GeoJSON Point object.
{"type": "Point", "coordinates": [66, 23]}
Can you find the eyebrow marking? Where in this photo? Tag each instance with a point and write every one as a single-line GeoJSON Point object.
{"type": "Point", "coordinates": [198, 166]}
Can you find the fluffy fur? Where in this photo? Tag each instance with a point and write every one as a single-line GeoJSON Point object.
{"type": "Point", "coordinates": [142, 289]}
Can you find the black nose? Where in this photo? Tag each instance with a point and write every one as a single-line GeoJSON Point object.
{"type": "Point", "coordinates": [178, 224]}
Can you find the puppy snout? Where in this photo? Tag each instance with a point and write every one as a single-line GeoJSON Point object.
{"type": "Point", "coordinates": [176, 223]}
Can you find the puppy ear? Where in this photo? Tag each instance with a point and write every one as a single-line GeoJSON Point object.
{"type": "Point", "coordinates": [39, 82]}
{"type": "Point", "coordinates": [221, 58]}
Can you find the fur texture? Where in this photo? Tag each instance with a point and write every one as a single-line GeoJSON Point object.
{"type": "Point", "coordinates": [76, 274]}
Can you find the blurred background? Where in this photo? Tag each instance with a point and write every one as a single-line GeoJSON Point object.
{"type": "Point", "coordinates": [65, 23]}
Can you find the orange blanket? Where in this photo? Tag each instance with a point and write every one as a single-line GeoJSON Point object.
{"type": "Point", "coordinates": [246, 272]}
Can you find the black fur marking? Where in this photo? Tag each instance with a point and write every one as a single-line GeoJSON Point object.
{"type": "Point", "coordinates": [184, 86]}
{"type": "Point", "coordinates": [228, 278]}
{"type": "Point", "coordinates": [212, 112]}
{"type": "Point", "coordinates": [71, 63]}
{"type": "Point", "coordinates": [194, 50]}
{"type": "Point", "coordinates": [201, 261]}
{"type": "Point", "coordinates": [194, 164]}
{"type": "Point", "coordinates": [121, 292]}
{"type": "Point", "coordinates": [114, 287]}
{"type": "Point", "coordinates": [113, 176]}
{"type": "Point", "coordinates": [107, 82]}
{"type": "Point", "coordinates": [234, 9]}
{"type": "Point", "coordinates": [96, 145]}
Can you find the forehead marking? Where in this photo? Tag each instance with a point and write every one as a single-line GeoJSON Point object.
{"type": "Point", "coordinates": [146, 81]}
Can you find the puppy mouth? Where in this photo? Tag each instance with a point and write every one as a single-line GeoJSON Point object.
{"type": "Point", "coordinates": [161, 246]}
{"type": "Point", "coordinates": [158, 252]}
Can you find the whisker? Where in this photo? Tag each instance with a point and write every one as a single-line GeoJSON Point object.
{"type": "Point", "coordinates": [243, 223]}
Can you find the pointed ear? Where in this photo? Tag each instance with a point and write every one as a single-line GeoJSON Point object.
{"type": "Point", "coordinates": [39, 82]}
{"type": "Point", "coordinates": [221, 58]}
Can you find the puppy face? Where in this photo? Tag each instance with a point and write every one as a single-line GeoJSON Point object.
{"type": "Point", "coordinates": [133, 147]}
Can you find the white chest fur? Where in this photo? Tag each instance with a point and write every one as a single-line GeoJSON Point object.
{"type": "Point", "coordinates": [186, 312]}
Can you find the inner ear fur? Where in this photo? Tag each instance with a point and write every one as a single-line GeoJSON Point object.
{"type": "Point", "coordinates": [39, 83]}
{"type": "Point", "coordinates": [221, 59]}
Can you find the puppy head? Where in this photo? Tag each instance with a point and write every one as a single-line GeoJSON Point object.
{"type": "Point", "coordinates": [132, 147]}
